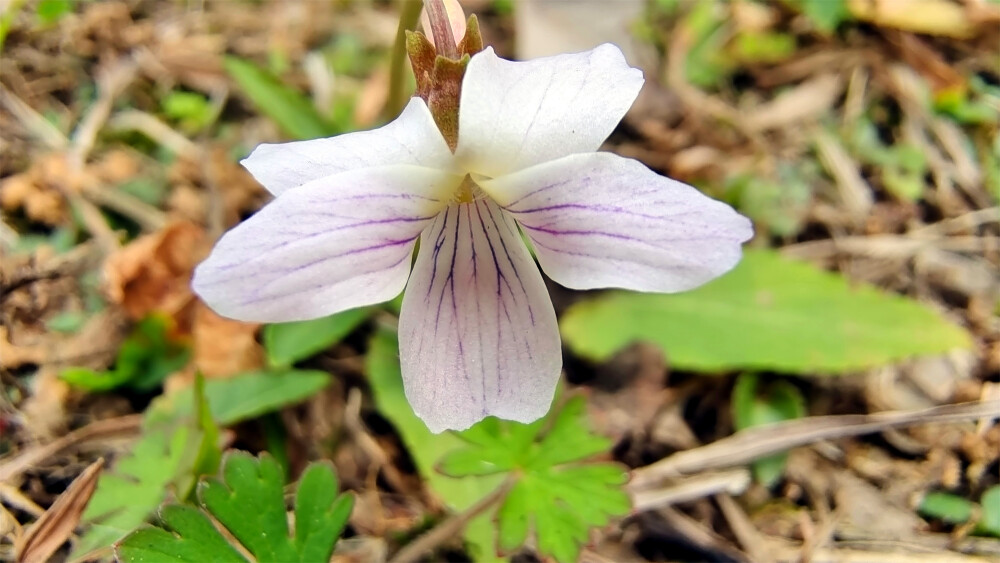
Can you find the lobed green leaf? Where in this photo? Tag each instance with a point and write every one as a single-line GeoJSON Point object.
{"type": "Point", "coordinates": [248, 500]}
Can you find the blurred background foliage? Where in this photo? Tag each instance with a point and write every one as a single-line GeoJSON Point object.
{"type": "Point", "coordinates": [860, 135]}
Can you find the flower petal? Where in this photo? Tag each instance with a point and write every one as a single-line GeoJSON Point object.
{"type": "Point", "coordinates": [600, 220]}
{"type": "Point", "coordinates": [330, 245]}
{"type": "Point", "coordinates": [516, 114]}
{"type": "Point", "coordinates": [477, 333]}
{"type": "Point", "coordinates": [412, 138]}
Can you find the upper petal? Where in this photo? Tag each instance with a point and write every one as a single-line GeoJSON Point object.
{"type": "Point", "coordinates": [411, 138]}
{"type": "Point", "coordinates": [477, 332]}
{"type": "Point", "coordinates": [516, 114]}
{"type": "Point", "coordinates": [330, 245]}
{"type": "Point", "coordinates": [600, 220]}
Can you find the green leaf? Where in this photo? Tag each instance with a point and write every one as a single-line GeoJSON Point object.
{"type": "Point", "coordinates": [292, 111]}
{"type": "Point", "coordinates": [780, 204]}
{"type": "Point", "coordinates": [67, 322]}
{"type": "Point", "coordinates": [706, 65]}
{"type": "Point", "coordinates": [172, 452]}
{"type": "Point", "coordinates": [946, 507]}
{"type": "Point", "coordinates": [989, 522]}
{"type": "Point", "coordinates": [769, 313]}
{"type": "Point", "coordinates": [554, 495]}
{"type": "Point", "coordinates": [249, 502]}
{"type": "Point", "coordinates": [561, 505]}
{"type": "Point", "coordinates": [170, 455]}
{"type": "Point", "coordinates": [764, 47]}
{"type": "Point", "coordinates": [825, 15]}
{"type": "Point", "coordinates": [51, 11]}
{"type": "Point", "coordinates": [778, 402]}
{"type": "Point", "coordinates": [193, 110]}
{"type": "Point", "coordinates": [185, 535]}
{"type": "Point", "coordinates": [145, 358]}
{"type": "Point", "coordinates": [247, 395]}
{"type": "Point", "coordinates": [382, 365]}
{"type": "Point", "coordinates": [126, 496]}
{"type": "Point", "coordinates": [287, 343]}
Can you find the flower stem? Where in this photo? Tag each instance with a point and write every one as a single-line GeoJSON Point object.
{"type": "Point", "coordinates": [444, 38]}
{"type": "Point", "coordinates": [408, 17]}
{"type": "Point", "coordinates": [447, 529]}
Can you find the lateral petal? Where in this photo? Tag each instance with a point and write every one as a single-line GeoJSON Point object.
{"type": "Point", "coordinates": [516, 114]}
{"type": "Point", "coordinates": [327, 246]}
{"type": "Point", "coordinates": [477, 332]}
{"type": "Point", "coordinates": [600, 220]}
{"type": "Point", "coordinates": [411, 138]}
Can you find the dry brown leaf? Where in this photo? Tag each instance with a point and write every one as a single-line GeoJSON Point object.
{"type": "Point", "coordinates": [933, 17]}
{"type": "Point", "coordinates": [372, 98]}
{"type": "Point", "coordinates": [50, 531]}
{"type": "Point", "coordinates": [805, 103]}
{"type": "Point", "coordinates": [224, 347]}
{"type": "Point", "coordinates": [223, 187]}
{"type": "Point", "coordinates": [44, 411]}
{"type": "Point", "coordinates": [13, 356]}
{"type": "Point", "coordinates": [153, 273]}
{"type": "Point", "coordinates": [116, 166]}
{"type": "Point", "coordinates": [239, 191]}
{"type": "Point", "coordinates": [21, 192]}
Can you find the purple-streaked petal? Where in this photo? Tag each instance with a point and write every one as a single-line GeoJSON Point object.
{"type": "Point", "coordinates": [412, 138]}
{"type": "Point", "coordinates": [477, 332]}
{"type": "Point", "coordinates": [516, 114]}
{"type": "Point", "coordinates": [330, 245]}
{"type": "Point", "coordinates": [600, 220]}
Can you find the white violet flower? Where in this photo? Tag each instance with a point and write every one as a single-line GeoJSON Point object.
{"type": "Point", "coordinates": [477, 332]}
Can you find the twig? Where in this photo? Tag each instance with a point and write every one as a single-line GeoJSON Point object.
{"type": "Point", "coordinates": [854, 191]}
{"type": "Point", "coordinates": [695, 487]}
{"type": "Point", "coordinates": [450, 527]}
{"type": "Point", "coordinates": [123, 425]}
{"type": "Point", "coordinates": [890, 246]}
{"type": "Point", "coordinates": [110, 84]}
{"type": "Point", "coordinates": [746, 534]}
{"type": "Point", "coordinates": [747, 445]}
{"type": "Point", "coordinates": [701, 535]}
{"type": "Point", "coordinates": [37, 126]}
{"type": "Point", "coordinates": [148, 217]}
{"type": "Point", "coordinates": [92, 219]}
{"type": "Point", "coordinates": [150, 126]}
{"type": "Point", "coordinates": [969, 220]}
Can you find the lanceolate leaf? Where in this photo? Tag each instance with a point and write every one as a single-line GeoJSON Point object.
{"type": "Point", "coordinates": [289, 108]}
{"type": "Point", "coordinates": [246, 395]}
{"type": "Point", "coordinates": [769, 313]}
{"type": "Point", "coordinates": [287, 343]}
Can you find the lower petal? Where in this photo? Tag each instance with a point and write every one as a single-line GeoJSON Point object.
{"type": "Point", "coordinates": [332, 244]}
{"type": "Point", "coordinates": [600, 220]}
{"type": "Point", "coordinates": [478, 334]}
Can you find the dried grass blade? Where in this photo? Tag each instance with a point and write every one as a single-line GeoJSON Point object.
{"type": "Point", "coordinates": [50, 531]}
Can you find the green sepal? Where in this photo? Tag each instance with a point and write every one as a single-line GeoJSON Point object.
{"type": "Point", "coordinates": [472, 41]}
{"type": "Point", "coordinates": [444, 96]}
{"type": "Point", "coordinates": [422, 55]}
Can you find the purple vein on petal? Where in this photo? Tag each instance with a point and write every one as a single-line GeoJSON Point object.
{"type": "Point", "coordinates": [512, 265]}
{"type": "Point", "coordinates": [258, 297]}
